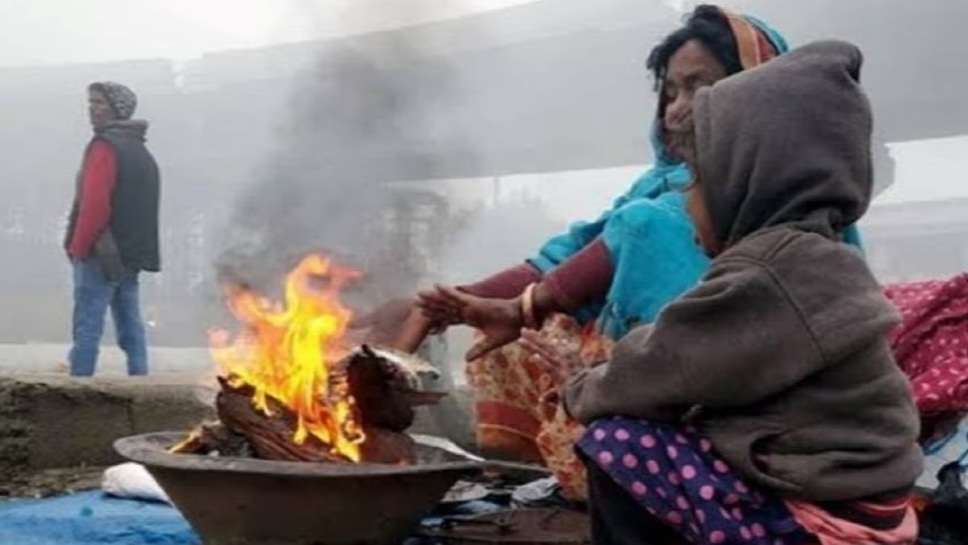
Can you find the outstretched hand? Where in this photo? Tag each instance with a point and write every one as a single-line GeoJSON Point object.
{"type": "Point", "coordinates": [398, 324]}
{"type": "Point", "coordinates": [499, 320]}
{"type": "Point", "coordinates": [559, 361]}
{"type": "Point", "coordinates": [440, 307]}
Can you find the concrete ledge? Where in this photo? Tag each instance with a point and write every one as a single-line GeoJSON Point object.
{"type": "Point", "coordinates": [55, 421]}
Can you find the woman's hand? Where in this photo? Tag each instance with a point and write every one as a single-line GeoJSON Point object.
{"type": "Point", "coordinates": [398, 324]}
{"type": "Point", "coordinates": [558, 360]}
{"type": "Point", "coordinates": [438, 307]}
{"type": "Point", "coordinates": [499, 320]}
{"type": "Point", "coordinates": [380, 326]}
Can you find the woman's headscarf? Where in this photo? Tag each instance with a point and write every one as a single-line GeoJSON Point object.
{"type": "Point", "coordinates": [756, 43]}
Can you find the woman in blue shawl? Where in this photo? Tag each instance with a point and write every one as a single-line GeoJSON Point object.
{"type": "Point", "coordinates": [622, 268]}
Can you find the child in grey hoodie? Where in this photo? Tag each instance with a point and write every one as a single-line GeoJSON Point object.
{"type": "Point", "coordinates": [764, 406]}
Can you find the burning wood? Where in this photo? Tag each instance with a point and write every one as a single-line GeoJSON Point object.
{"type": "Point", "coordinates": [291, 391]}
{"type": "Point", "coordinates": [269, 435]}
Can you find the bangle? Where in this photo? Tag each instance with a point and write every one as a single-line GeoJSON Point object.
{"type": "Point", "coordinates": [527, 307]}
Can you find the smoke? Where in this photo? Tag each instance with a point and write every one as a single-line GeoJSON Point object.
{"type": "Point", "coordinates": [324, 188]}
{"type": "Point", "coordinates": [493, 238]}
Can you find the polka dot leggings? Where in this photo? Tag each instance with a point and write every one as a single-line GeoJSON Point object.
{"type": "Point", "coordinates": [675, 475]}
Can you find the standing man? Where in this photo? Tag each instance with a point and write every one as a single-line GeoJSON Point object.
{"type": "Point", "coordinates": [113, 231]}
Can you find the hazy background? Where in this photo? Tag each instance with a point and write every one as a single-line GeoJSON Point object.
{"type": "Point", "coordinates": [419, 140]}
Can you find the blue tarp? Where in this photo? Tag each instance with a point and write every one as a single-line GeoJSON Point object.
{"type": "Point", "coordinates": [953, 447]}
{"type": "Point", "coordinates": [92, 518]}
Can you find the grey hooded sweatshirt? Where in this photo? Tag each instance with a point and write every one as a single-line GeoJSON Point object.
{"type": "Point", "coordinates": [780, 355]}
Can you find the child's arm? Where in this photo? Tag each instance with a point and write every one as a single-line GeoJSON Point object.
{"type": "Point", "coordinates": [734, 340]}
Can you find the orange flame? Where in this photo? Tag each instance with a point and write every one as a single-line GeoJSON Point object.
{"type": "Point", "coordinates": [288, 353]}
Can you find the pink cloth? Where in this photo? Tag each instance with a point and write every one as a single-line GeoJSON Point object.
{"type": "Point", "coordinates": [831, 530]}
{"type": "Point", "coordinates": [931, 343]}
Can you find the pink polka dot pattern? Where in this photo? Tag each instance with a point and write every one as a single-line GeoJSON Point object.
{"type": "Point", "coordinates": [605, 457]}
{"type": "Point", "coordinates": [630, 461]}
{"type": "Point", "coordinates": [931, 343]}
{"type": "Point", "coordinates": [677, 477]}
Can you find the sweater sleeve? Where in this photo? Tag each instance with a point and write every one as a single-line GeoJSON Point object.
{"type": "Point", "coordinates": [583, 277]}
{"type": "Point", "coordinates": [94, 210]}
{"type": "Point", "coordinates": [734, 340]}
{"type": "Point", "coordinates": [506, 284]}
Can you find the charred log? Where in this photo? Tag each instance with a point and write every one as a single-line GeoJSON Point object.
{"type": "Point", "coordinates": [380, 393]}
{"type": "Point", "coordinates": [386, 391]}
{"type": "Point", "coordinates": [214, 438]}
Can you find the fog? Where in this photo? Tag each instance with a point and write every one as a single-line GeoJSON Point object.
{"type": "Point", "coordinates": [439, 151]}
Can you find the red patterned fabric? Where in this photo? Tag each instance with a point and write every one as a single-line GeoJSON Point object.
{"type": "Point", "coordinates": [519, 416]}
{"type": "Point", "coordinates": [931, 343]}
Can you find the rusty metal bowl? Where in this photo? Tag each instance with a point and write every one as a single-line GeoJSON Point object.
{"type": "Point", "coordinates": [240, 501]}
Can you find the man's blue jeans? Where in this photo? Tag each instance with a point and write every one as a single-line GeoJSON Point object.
{"type": "Point", "coordinates": [93, 294]}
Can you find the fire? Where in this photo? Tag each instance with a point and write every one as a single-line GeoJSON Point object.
{"type": "Point", "coordinates": [288, 352]}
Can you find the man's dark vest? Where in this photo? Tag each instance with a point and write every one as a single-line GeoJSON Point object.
{"type": "Point", "coordinates": [135, 202]}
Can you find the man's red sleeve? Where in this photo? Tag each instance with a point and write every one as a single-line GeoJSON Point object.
{"type": "Point", "coordinates": [97, 185]}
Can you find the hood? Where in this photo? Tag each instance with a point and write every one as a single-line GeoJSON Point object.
{"type": "Point", "coordinates": [135, 129]}
{"type": "Point", "coordinates": [786, 143]}
{"type": "Point", "coordinates": [121, 98]}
